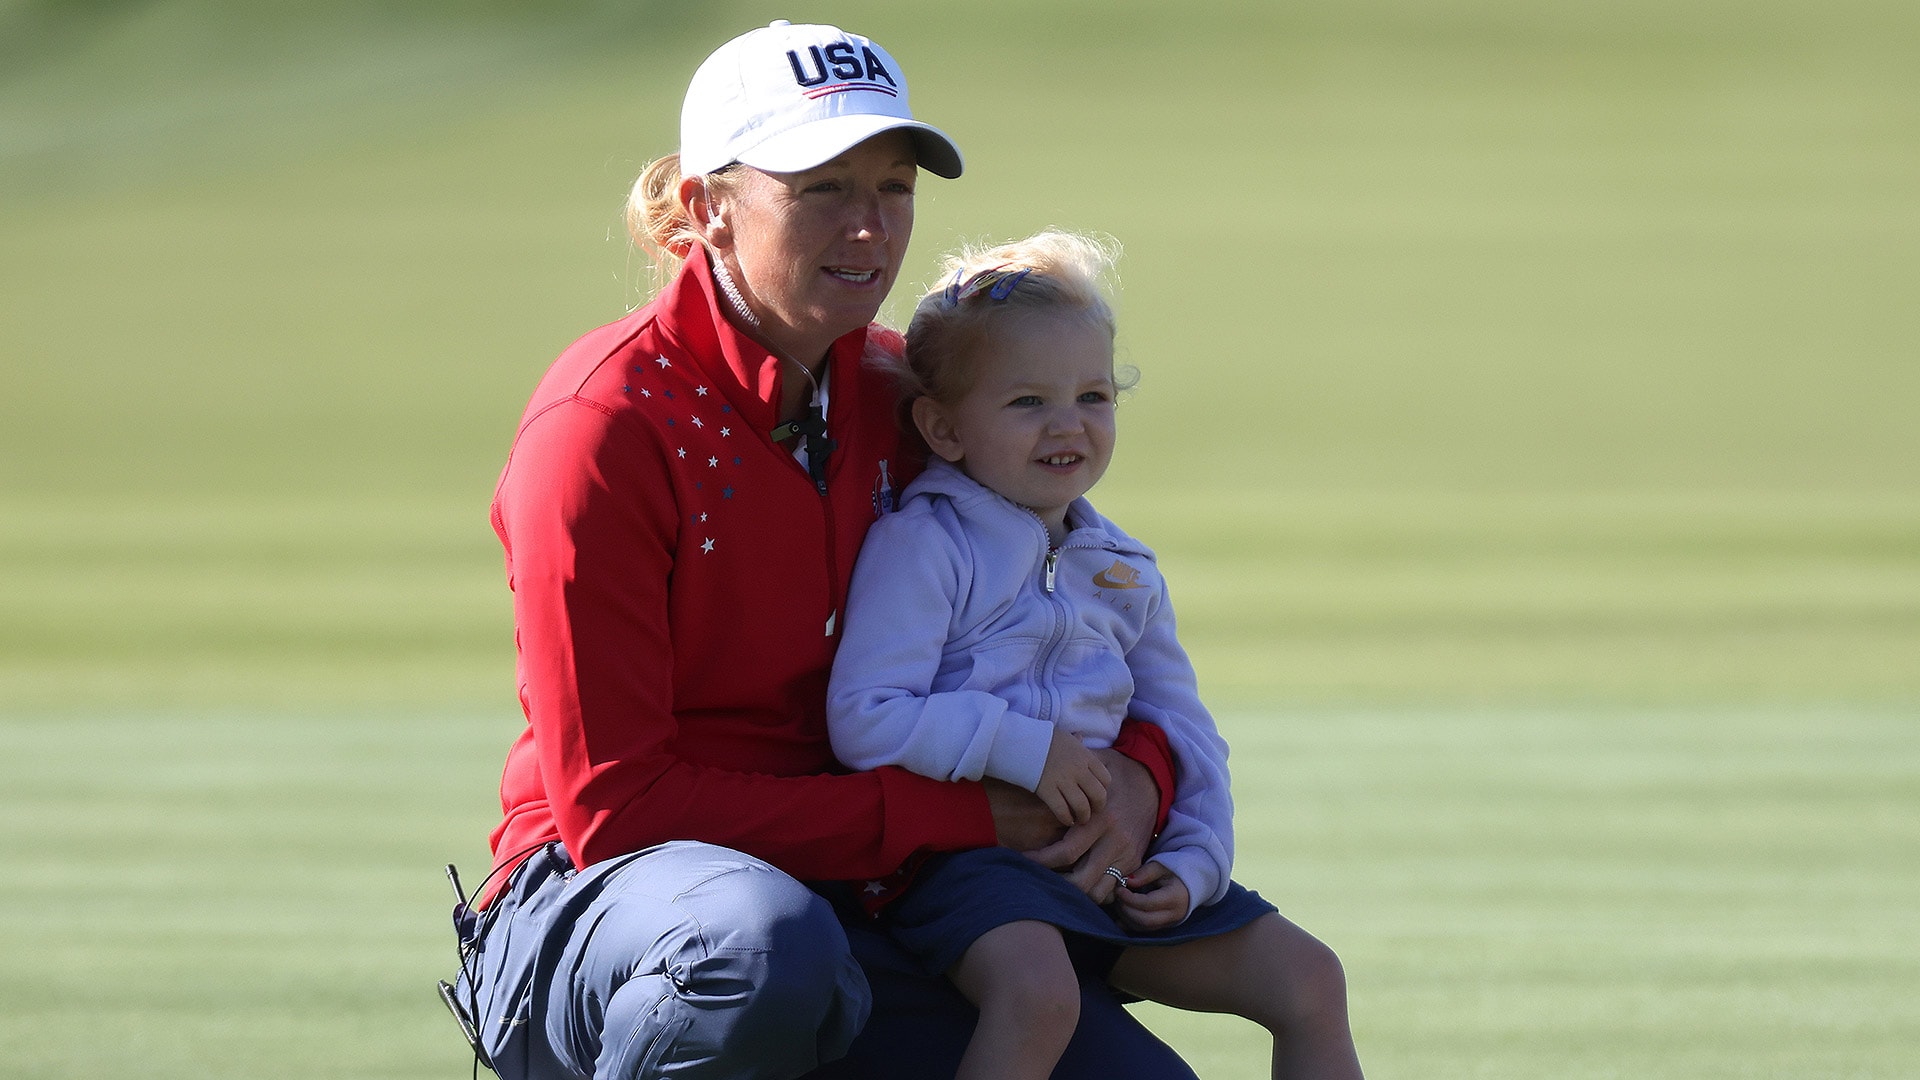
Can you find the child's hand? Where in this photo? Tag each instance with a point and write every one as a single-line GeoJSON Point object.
{"type": "Point", "coordinates": [1073, 782]}
{"type": "Point", "coordinates": [1154, 899]}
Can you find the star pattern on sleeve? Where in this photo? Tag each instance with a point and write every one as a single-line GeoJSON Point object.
{"type": "Point", "coordinates": [695, 415]}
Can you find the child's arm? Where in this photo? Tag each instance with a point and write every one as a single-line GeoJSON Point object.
{"type": "Point", "coordinates": [881, 705]}
{"type": "Point", "coordinates": [1197, 843]}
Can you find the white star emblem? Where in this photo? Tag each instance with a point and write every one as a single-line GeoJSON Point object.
{"type": "Point", "coordinates": [874, 888]}
{"type": "Point", "coordinates": [701, 390]}
{"type": "Point", "coordinates": [708, 546]}
{"type": "Point", "coordinates": [697, 423]}
{"type": "Point", "coordinates": [703, 516]}
{"type": "Point", "coordinates": [725, 431]}
{"type": "Point", "coordinates": [713, 463]}
{"type": "Point", "coordinates": [682, 451]}
{"type": "Point", "coordinates": [663, 361]}
{"type": "Point", "coordinates": [645, 392]}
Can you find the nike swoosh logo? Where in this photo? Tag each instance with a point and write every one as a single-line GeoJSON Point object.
{"type": "Point", "coordinates": [1118, 576]}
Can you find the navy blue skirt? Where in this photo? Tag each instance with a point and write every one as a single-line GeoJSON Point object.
{"type": "Point", "coordinates": [958, 897]}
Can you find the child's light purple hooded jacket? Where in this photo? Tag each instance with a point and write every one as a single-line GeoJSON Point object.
{"type": "Point", "coordinates": [958, 659]}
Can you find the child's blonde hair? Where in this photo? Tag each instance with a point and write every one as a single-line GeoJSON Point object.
{"type": "Point", "coordinates": [983, 289]}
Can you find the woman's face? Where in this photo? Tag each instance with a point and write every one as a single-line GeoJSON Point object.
{"type": "Point", "coordinates": [814, 253]}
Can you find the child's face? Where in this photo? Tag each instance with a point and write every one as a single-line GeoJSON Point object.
{"type": "Point", "coordinates": [1037, 426]}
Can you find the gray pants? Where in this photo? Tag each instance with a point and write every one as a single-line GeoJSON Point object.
{"type": "Point", "coordinates": [686, 959]}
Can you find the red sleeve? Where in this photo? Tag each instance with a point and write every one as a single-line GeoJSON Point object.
{"type": "Point", "coordinates": [591, 572]}
{"type": "Point", "coordinates": [1147, 744]}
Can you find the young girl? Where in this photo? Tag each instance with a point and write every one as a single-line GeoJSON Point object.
{"type": "Point", "coordinates": [999, 627]}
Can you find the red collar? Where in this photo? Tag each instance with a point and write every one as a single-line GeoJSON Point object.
{"type": "Point", "coordinates": [693, 314]}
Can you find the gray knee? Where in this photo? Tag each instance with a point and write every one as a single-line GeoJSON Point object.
{"type": "Point", "coordinates": [808, 981]}
{"type": "Point", "coordinates": [776, 990]}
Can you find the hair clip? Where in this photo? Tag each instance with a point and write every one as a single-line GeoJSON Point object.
{"type": "Point", "coordinates": [998, 283]}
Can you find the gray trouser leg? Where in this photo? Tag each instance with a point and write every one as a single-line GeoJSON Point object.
{"type": "Point", "coordinates": [685, 960]}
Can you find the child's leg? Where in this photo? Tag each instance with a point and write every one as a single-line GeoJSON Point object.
{"type": "Point", "coordinates": [1019, 977]}
{"type": "Point", "coordinates": [1269, 971]}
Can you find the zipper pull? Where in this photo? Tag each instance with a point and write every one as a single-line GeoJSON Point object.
{"type": "Point", "coordinates": [1053, 556]}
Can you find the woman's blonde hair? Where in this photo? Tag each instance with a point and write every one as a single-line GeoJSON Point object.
{"type": "Point", "coordinates": [656, 220]}
{"type": "Point", "coordinates": [981, 290]}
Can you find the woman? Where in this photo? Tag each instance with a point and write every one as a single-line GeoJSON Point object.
{"type": "Point", "coordinates": [680, 511]}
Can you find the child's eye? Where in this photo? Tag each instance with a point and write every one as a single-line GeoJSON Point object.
{"type": "Point", "coordinates": [1094, 397]}
{"type": "Point", "coordinates": [1026, 400]}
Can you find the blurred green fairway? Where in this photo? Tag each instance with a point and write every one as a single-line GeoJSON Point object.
{"type": "Point", "coordinates": [1527, 421]}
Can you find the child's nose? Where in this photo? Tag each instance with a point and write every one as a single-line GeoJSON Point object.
{"type": "Point", "coordinates": [1063, 421]}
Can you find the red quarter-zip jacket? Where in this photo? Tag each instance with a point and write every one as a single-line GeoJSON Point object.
{"type": "Point", "coordinates": [677, 585]}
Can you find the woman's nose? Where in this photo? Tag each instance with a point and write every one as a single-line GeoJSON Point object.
{"type": "Point", "coordinates": [870, 220]}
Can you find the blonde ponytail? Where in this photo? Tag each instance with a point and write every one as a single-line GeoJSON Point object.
{"type": "Point", "coordinates": [658, 222]}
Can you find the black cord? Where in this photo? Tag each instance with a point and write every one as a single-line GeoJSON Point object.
{"type": "Point", "coordinates": [470, 929]}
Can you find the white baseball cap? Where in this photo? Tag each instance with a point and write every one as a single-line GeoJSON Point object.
{"type": "Point", "coordinates": [786, 98]}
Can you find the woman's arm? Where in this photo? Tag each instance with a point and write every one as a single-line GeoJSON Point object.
{"type": "Point", "coordinates": [587, 513]}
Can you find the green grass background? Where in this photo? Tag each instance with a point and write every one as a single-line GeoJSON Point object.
{"type": "Point", "coordinates": [1527, 423]}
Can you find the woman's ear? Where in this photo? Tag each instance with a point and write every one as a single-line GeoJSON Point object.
{"type": "Point", "coordinates": [704, 211]}
{"type": "Point", "coordinates": [936, 426]}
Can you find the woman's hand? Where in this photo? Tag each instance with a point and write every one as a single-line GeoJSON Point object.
{"type": "Point", "coordinates": [1154, 899]}
{"type": "Point", "coordinates": [1115, 836]}
{"type": "Point", "coordinates": [1073, 782]}
{"type": "Point", "coordinates": [1021, 822]}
